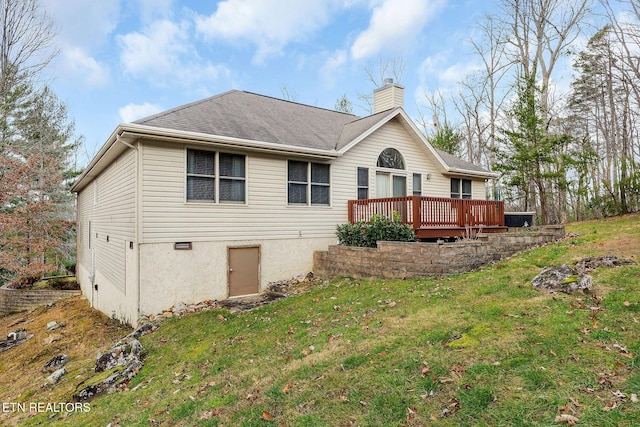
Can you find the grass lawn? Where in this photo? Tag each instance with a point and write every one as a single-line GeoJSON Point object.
{"type": "Point", "coordinates": [481, 348]}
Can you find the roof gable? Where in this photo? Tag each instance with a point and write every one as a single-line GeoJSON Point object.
{"type": "Point", "coordinates": [251, 121]}
{"type": "Point", "coordinates": [354, 131]}
{"type": "Point", "coordinates": [253, 117]}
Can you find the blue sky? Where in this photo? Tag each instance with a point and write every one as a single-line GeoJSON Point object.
{"type": "Point", "coordinates": [122, 60]}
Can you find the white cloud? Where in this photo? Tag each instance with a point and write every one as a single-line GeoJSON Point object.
{"type": "Point", "coordinates": [156, 50]}
{"type": "Point", "coordinates": [332, 66]}
{"type": "Point", "coordinates": [77, 63]}
{"type": "Point", "coordinates": [163, 54]}
{"type": "Point", "coordinates": [394, 25]}
{"type": "Point", "coordinates": [131, 112]}
{"type": "Point", "coordinates": [79, 30]}
{"type": "Point", "coordinates": [80, 24]}
{"type": "Point", "coordinates": [455, 73]}
{"type": "Point", "coordinates": [268, 24]}
{"type": "Point", "coordinates": [155, 9]}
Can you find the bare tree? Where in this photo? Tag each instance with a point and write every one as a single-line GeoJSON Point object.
{"type": "Point", "coordinates": [605, 103]}
{"type": "Point", "coordinates": [436, 115]}
{"type": "Point", "coordinates": [541, 31]}
{"type": "Point", "coordinates": [26, 44]}
{"type": "Point", "coordinates": [471, 104]}
{"type": "Point", "coordinates": [390, 67]}
{"type": "Point", "coordinates": [288, 95]}
{"type": "Point", "coordinates": [485, 91]}
{"type": "Point", "coordinates": [625, 66]}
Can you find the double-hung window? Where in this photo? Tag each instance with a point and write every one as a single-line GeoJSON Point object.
{"type": "Point", "coordinates": [417, 184]}
{"type": "Point", "coordinates": [363, 183]}
{"type": "Point", "coordinates": [460, 188]}
{"type": "Point", "coordinates": [232, 177]}
{"type": "Point", "coordinates": [215, 177]}
{"type": "Point", "coordinates": [308, 183]}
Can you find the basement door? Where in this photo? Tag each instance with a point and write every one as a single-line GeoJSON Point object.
{"type": "Point", "coordinates": [244, 270]}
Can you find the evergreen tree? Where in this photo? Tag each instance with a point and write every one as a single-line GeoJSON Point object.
{"type": "Point", "coordinates": [36, 141]}
{"type": "Point", "coordinates": [447, 139]}
{"type": "Point", "coordinates": [529, 158]}
{"type": "Point", "coordinates": [344, 105]}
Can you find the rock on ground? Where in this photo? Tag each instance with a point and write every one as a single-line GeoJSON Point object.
{"type": "Point", "coordinates": [116, 366]}
{"type": "Point", "coordinates": [56, 375]}
{"type": "Point", "coordinates": [591, 263]}
{"type": "Point", "coordinates": [14, 338]}
{"type": "Point", "coordinates": [562, 279]}
{"type": "Point", "coordinates": [55, 363]}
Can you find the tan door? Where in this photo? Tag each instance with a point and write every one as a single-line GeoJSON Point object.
{"type": "Point", "coordinates": [244, 271]}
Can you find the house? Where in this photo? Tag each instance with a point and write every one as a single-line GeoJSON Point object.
{"type": "Point", "coordinates": [217, 198]}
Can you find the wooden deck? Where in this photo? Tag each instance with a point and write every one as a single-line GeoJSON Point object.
{"type": "Point", "coordinates": [435, 217]}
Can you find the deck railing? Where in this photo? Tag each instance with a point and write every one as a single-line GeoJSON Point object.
{"type": "Point", "coordinates": [430, 212]}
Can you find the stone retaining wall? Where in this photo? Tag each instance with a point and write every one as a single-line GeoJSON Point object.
{"type": "Point", "coordinates": [400, 260]}
{"type": "Point", "coordinates": [15, 300]}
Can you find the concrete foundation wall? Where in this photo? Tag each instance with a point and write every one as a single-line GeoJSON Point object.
{"type": "Point", "coordinates": [400, 260]}
{"type": "Point", "coordinates": [169, 276]}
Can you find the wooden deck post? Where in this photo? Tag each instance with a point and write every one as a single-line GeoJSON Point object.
{"type": "Point", "coordinates": [350, 211]}
{"type": "Point", "coordinates": [416, 211]}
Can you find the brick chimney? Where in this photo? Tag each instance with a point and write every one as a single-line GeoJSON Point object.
{"type": "Point", "coordinates": [390, 95]}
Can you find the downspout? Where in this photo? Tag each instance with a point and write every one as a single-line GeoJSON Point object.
{"type": "Point", "coordinates": [137, 223]}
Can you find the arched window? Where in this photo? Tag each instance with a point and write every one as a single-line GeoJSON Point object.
{"type": "Point", "coordinates": [390, 158]}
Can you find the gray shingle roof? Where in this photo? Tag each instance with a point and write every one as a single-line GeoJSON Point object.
{"type": "Point", "coordinates": [357, 127]}
{"type": "Point", "coordinates": [255, 117]}
{"type": "Point", "coordinates": [457, 163]}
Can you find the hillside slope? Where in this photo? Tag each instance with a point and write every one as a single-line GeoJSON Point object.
{"type": "Point", "coordinates": [482, 348]}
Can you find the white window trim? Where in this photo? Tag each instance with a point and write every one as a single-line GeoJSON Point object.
{"type": "Point", "coordinates": [308, 185]}
{"type": "Point", "coordinates": [460, 187]}
{"type": "Point", "coordinates": [358, 186]}
{"type": "Point", "coordinates": [413, 189]}
{"type": "Point", "coordinates": [390, 173]}
{"type": "Point", "coordinates": [216, 177]}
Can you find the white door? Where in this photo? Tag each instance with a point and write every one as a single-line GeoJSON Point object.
{"type": "Point", "coordinates": [399, 186]}
{"type": "Point", "coordinates": [388, 185]}
{"type": "Point", "coordinates": [383, 187]}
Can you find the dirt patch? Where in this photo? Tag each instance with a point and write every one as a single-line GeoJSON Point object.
{"type": "Point", "coordinates": [274, 292]}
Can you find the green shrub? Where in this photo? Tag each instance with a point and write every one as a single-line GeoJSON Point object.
{"type": "Point", "coordinates": [379, 228]}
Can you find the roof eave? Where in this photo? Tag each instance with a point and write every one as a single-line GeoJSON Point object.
{"type": "Point", "coordinates": [134, 131]}
{"type": "Point", "coordinates": [472, 173]}
{"type": "Point", "coordinates": [80, 181]}
{"type": "Point", "coordinates": [142, 131]}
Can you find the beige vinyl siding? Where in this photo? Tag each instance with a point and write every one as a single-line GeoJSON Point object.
{"type": "Point", "coordinates": [416, 156]}
{"type": "Point", "coordinates": [387, 97]}
{"type": "Point", "coordinates": [167, 217]}
{"type": "Point", "coordinates": [113, 217]}
{"type": "Point", "coordinates": [84, 216]}
{"type": "Point", "coordinates": [478, 190]}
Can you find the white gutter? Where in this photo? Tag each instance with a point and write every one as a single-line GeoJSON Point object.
{"type": "Point", "coordinates": [135, 131]}
{"type": "Point", "coordinates": [139, 131]}
{"type": "Point", "coordinates": [466, 172]}
{"type": "Point", "coordinates": [103, 150]}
